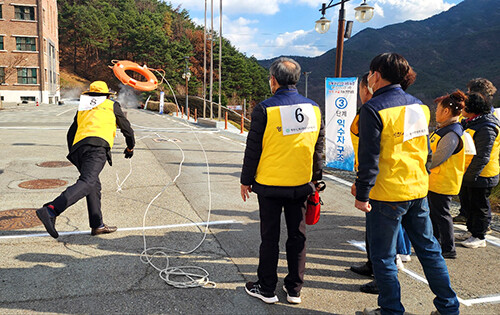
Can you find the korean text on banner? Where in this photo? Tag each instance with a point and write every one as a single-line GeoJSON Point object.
{"type": "Point", "coordinates": [340, 110]}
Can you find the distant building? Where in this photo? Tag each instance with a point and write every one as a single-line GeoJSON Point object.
{"type": "Point", "coordinates": [29, 51]}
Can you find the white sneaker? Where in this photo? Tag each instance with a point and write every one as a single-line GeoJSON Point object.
{"type": "Point", "coordinates": [474, 242]}
{"type": "Point", "coordinates": [405, 258]}
{"type": "Point", "coordinates": [399, 262]}
{"type": "Point", "coordinates": [292, 299]}
{"type": "Point", "coordinates": [462, 236]}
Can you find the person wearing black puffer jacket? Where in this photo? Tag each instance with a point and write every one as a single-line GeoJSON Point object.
{"type": "Point", "coordinates": [483, 168]}
{"type": "Point", "coordinates": [283, 156]}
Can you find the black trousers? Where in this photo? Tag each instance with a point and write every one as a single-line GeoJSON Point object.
{"type": "Point", "coordinates": [477, 206]}
{"type": "Point", "coordinates": [463, 211]}
{"type": "Point", "coordinates": [476, 202]}
{"type": "Point", "coordinates": [270, 217]}
{"type": "Point", "coordinates": [442, 222]}
{"type": "Point", "coordinates": [89, 160]}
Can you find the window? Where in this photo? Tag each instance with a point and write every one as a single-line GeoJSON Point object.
{"type": "Point", "coordinates": [28, 99]}
{"type": "Point", "coordinates": [26, 76]}
{"type": "Point", "coordinates": [1, 43]}
{"type": "Point", "coordinates": [1, 12]}
{"type": "Point", "coordinates": [24, 13]}
{"type": "Point", "coordinates": [26, 43]}
{"type": "Point", "coordinates": [2, 75]}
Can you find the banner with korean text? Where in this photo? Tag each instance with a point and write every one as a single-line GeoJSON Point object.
{"type": "Point", "coordinates": [340, 110]}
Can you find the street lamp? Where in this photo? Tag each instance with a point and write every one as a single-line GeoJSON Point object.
{"type": "Point", "coordinates": [363, 14]}
{"type": "Point", "coordinates": [186, 75]}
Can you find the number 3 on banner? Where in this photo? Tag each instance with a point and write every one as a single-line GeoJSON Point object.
{"type": "Point", "coordinates": [298, 119]}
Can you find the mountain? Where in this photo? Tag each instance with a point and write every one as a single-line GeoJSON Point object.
{"type": "Point", "coordinates": [446, 50]}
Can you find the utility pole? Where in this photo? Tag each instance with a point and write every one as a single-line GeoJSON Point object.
{"type": "Point", "coordinates": [220, 58]}
{"type": "Point", "coordinates": [306, 74]}
{"type": "Point", "coordinates": [211, 58]}
{"type": "Point", "coordinates": [205, 64]}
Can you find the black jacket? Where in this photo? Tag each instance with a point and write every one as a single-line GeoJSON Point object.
{"type": "Point", "coordinates": [122, 123]}
{"type": "Point", "coordinates": [484, 138]}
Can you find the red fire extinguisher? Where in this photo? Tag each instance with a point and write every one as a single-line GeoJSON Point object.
{"type": "Point", "coordinates": [314, 203]}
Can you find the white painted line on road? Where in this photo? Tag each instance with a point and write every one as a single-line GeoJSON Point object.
{"type": "Point", "coordinates": [127, 229]}
{"type": "Point", "coordinates": [358, 244]}
{"type": "Point", "coordinates": [65, 111]}
{"type": "Point", "coordinates": [490, 299]}
{"type": "Point", "coordinates": [35, 128]}
{"type": "Point", "coordinates": [340, 180]}
{"type": "Point", "coordinates": [231, 140]}
{"type": "Point", "coordinates": [490, 239]}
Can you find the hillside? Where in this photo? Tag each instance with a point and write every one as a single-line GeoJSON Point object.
{"type": "Point", "coordinates": [92, 33]}
{"type": "Point", "coordinates": [446, 50]}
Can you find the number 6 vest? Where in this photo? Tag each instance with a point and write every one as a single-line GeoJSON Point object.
{"type": "Point", "coordinates": [288, 145]}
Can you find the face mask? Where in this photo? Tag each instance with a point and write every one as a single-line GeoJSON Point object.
{"type": "Point", "coordinates": [370, 88]}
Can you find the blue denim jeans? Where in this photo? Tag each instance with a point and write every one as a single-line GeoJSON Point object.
{"type": "Point", "coordinates": [403, 245]}
{"type": "Point", "coordinates": [382, 228]}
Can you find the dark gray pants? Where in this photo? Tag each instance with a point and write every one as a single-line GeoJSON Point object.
{"type": "Point", "coordinates": [476, 202]}
{"type": "Point", "coordinates": [89, 160]}
{"type": "Point", "coordinates": [270, 217]}
{"type": "Point", "coordinates": [442, 222]}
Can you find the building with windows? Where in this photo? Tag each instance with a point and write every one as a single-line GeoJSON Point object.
{"type": "Point", "coordinates": [29, 58]}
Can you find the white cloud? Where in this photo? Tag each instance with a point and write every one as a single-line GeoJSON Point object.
{"type": "Point", "coordinates": [267, 7]}
{"type": "Point", "coordinates": [414, 9]}
{"type": "Point", "coordinates": [297, 43]}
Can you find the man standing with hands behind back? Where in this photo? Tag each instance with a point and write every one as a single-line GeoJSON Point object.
{"type": "Point", "coordinates": [283, 154]}
{"type": "Point", "coordinates": [392, 183]}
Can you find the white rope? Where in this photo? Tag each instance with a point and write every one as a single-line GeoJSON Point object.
{"type": "Point", "coordinates": [119, 186]}
{"type": "Point", "coordinates": [185, 276]}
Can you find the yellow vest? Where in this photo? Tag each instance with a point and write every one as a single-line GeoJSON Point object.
{"type": "Point", "coordinates": [99, 121]}
{"type": "Point", "coordinates": [286, 160]}
{"type": "Point", "coordinates": [355, 140]}
{"type": "Point", "coordinates": [402, 173]}
{"type": "Point", "coordinates": [446, 179]}
{"type": "Point", "coordinates": [492, 168]}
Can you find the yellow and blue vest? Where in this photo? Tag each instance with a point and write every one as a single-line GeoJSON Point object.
{"type": "Point", "coordinates": [446, 179]}
{"type": "Point", "coordinates": [99, 121]}
{"type": "Point", "coordinates": [492, 168]}
{"type": "Point", "coordinates": [287, 155]}
{"type": "Point", "coordinates": [355, 139]}
{"type": "Point", "coordinates": [392, 165]}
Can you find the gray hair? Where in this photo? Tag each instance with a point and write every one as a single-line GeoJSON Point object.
{"type": "Point", "coordinates": [286, 71]}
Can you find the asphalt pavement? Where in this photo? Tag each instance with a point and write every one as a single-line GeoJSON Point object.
{"type": "Point", "coordinates": [182, 176]}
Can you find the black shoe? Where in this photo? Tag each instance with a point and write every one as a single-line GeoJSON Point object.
{"type": "Point", "coordinates": [48, 221]}
{"type": "Point", "coordinates": [460, 219]}
{"type": "Point", "coordinates": [106, 229]}
{"type": "Point", "coordinates": [253, 289]}
{"type": "Point", "coordinates": [370, 287]}
{"type": "Point", "coordinates": [364, 270]}
{"type": "Point", "coordinates": [449, 255]}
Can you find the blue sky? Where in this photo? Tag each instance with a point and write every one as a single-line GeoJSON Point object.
{"type": "Point", "coordinates": [270, 28]}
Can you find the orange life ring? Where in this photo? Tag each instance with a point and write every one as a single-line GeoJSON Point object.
{"type": "Point", "coordinates": [124, 65]}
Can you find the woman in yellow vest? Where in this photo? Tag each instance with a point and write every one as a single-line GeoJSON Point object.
{"type": "Point", "coordinates": [447, 168]}
{"type": "Point", "coordinates": [482, 171]}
